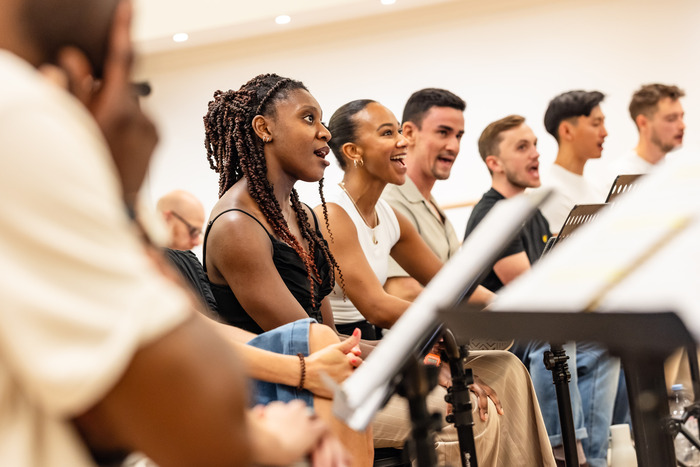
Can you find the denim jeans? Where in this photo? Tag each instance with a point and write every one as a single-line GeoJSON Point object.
{"type": "Point", "coordinates": [593, 387]}
{"type": "Point", "coordinates": [288, 339]}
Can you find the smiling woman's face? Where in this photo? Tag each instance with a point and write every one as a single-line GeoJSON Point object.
{"type": "Point", "coordinates": [383, 147]}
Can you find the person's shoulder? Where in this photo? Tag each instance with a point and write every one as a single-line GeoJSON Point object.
{"type": "Point", "coordinates": [26, 92]}
{"type": "Point", "coordinates": [235, 224]}
{"type": "Point", "coordinates": [481, 208]}
{"type": "Point", "coordinates": [488, 200]}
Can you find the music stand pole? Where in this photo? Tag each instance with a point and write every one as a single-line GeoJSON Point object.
{"type": "Point", "coordinates": [417, 382]}
{"type": "Point", "coordinates": [458, 396]}
{"type": "Point", "coordinates": [555, 361]}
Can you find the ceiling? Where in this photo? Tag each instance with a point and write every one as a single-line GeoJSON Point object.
{"type": "Point", "coordinates": [211, 21]}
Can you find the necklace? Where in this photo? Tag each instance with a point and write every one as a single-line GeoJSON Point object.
{"type": "Point", "coordinates": [376, 217]}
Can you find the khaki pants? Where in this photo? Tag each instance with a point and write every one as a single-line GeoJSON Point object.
{"type": "Point", "coordinates": [516, 438]}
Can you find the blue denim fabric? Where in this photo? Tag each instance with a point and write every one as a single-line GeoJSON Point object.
{"type": "Point", "coordinates": [288, 339]}
{"type": "Point", "coordinates": [593, 387]}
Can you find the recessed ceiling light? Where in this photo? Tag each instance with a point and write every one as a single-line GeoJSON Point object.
{"type": "Point", "coordinates": [180, 37]}
{"type": "Point", "coordinates": [388, 2]}
{"type": "Point", "coordinates": [283, 19]}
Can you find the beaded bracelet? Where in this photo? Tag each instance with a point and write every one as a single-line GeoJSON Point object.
{"type": "Point", "coordinates": [303, 371]}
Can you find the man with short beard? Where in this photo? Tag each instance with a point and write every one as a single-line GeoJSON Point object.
{"type": "Point", "coordinates": [657, 111]}
{"type": "Point", "coordinates": [509, 149]}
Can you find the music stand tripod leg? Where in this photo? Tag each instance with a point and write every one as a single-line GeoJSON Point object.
{"type": "Point", "coordinates": [555, 361]}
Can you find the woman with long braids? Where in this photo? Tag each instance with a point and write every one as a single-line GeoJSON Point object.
{"type": "Point", "coordinates": [265, 258]}
{"type": "Point", "coordinates": [266, 261]}
{"type": "Point", "coordinates": [370, 148]}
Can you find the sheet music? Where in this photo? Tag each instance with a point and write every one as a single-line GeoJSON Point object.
{"type": "Point", "coordinates": [642, 254]}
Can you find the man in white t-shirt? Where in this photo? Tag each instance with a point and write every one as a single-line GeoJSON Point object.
{"type": "Point", "coordinates": [577, 122]}
{"type": "Point", "coordinates": [657, 112]}
{"type": "Point", "coordinates": [100, 352]}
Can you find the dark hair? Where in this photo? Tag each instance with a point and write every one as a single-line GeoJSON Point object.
{"type": "Point", "coordinates": [235, 151]}
{"type": "Point", "coordinates": [84, 24]}
{"type": "Point", "coordinates": [491, 136]}
{"type": "Point", "coordinates": [646, 99]}
{"type": "Point", "coordinates": [421, 101]}
{"type": "Point", "coordinates": [343, 127]}
{"type": "Point", "coordinates": [570, 105]}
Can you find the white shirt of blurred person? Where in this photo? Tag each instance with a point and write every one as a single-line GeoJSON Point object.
{"type": "Point", "coordinates": [577, 122]}
{"type": "Point", "coordinates": [184, 217]}
{"type": "Point", "coordinates": [96, 340]}
{"type": "Point", "coordinates": [657, 112]}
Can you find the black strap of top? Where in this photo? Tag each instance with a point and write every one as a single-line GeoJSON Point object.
{"type": "Point", "coordinates": [313, 214]}
{"type": "Point", "coordinates": [211, 222]}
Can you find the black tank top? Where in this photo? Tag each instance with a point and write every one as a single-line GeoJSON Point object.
{"type": "Point", "coordinates": [293, 272]}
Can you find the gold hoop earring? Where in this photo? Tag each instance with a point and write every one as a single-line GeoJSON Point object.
{"type": "Point", "coordinates": [358, 163]}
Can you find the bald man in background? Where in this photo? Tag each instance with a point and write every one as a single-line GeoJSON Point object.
{"type": "Point", "coordinates": [184, 217]}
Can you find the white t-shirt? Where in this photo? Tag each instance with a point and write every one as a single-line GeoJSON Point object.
{"type": "Point", "coordinates": [387, 233]}
{"type": "Point", "coordinates": [570, 189]}
{"type": "Point", "coordinates": [626, 164]}
{"type": "Point", "coordinates": [79, 296]}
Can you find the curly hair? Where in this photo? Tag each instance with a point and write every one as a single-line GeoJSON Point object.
{"type": "Point", "coordinates": [235, 151]}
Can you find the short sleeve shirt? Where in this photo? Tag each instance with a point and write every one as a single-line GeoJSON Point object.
{"type": "Point", "coordinates": [531, 239]}
{"type": "Point", "coordinates": [436, 230]}
{"type": "Point", "coordinates": [80, 296]}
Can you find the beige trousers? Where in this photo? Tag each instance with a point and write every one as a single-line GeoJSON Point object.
{"type": "Point", "coordinates": [516, 438]}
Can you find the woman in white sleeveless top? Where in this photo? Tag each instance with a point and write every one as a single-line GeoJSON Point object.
{"type": "Point", "coordinates": [369, 147]}
{"type": "Point", "coordinates": [364, 232]}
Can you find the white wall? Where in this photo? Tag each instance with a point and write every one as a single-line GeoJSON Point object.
{"type": "Point", "coordinates": [509, 56]}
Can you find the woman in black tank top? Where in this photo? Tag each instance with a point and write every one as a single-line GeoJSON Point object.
{"type": "Point", "coordinates": [265, 258]}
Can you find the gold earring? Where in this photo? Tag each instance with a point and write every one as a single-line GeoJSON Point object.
{"type": "Point", "coordinates": [358, 163]}
{"type": "Point", "coordinates": [267, 139]}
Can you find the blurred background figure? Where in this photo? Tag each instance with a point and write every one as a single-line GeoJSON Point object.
{"type": "Point", "coordinates": [183, 214]}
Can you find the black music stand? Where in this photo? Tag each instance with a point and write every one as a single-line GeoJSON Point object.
{"type": "Point", "coordinates": [556, 358]}
{"type": "Point", "coordinates": [580, 214]}
{"type": "Point", "coordinates": [625, 184]}
{"type": "Point", "coordinates": [642, 341]}
{"type": "Point", "coordinates": [622, 184]}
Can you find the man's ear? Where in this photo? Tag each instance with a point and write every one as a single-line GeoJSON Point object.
{"type": "Point", "coordinates": [642, 122]}
{"type": "Point", "coordinates": [493, 163]}
{"type": "Point", "coordinates": [409, 130]}
{"type": "Point", "coordinates": [261, 127]}
{"type": "Point", "coordinates": [566, 130]}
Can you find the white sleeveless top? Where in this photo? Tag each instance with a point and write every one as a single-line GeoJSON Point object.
{"type": "Point", "coordinates": [387, 233]}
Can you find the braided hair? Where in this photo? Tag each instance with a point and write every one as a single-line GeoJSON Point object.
{"type": "Point", "coordinates": [235, 151]}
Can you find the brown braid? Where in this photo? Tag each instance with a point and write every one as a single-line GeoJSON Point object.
{"type": "Point", "coordinates": [330, 234]}
{"type": "Point", "coordinates": [234, 151]}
